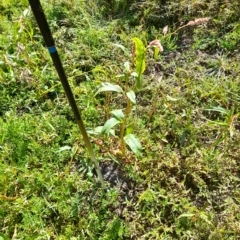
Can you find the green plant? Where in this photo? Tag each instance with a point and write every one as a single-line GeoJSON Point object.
{"type": "Point", "coordinates": [125, 135]}
{"type": "Point", "coordinates": [139, 54]}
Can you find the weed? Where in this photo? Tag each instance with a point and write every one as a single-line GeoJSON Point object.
{"type": "Point", "coordinates": [121, 118]}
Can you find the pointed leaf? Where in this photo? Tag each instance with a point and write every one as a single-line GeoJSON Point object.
{"type": "Point", "coordinates": [134, 144]}
{"type": "Point", "coordinates": [171, 98]}
{"type": "Point", "coordinates": [188, 215]}
{"type": "Point", "coordinates": [118, 114]}
{"type": "Point", "coordinates": [108, 87]}
{"type": "Point", "coordinates": [95, 131]}
{"type": "Point", "coordinates": [140, 55]}
{"type": "Point", "coordinates": [218, 109]}
{"type": "Point", "coordinates": [64, 148]}
{"type": "Point", "coordinates": [119, 46]}
{"type": "Point", "coordinates": [131, 95]}
{"type": "Point", "coordinates": [98, 130]}
{"type": "Point", "coordinates": [120, 75]}
{"type": "Point", "coordinates": [109, 124]}
{"type": "Point", "coordinates": [139, 46]}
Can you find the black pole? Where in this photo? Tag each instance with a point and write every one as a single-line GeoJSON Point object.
{"type": "Point", "coordinates": [49, 41]}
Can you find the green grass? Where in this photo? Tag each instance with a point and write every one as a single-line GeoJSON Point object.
{"type": "Point", "coordinates": [186, 183]}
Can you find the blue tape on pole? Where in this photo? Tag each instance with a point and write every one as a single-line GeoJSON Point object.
{"type": "Point", "coordinates": [52, 49]}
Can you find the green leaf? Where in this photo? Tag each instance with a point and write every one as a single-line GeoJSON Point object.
{"type": "Point", "coordinates": [109, 124]}
{"type": "Point", "coordinates": [94, 131]}
{"type": "Point", "coordinates": [64, 148]}
{"type": "Point", "coordinates": [120, 46]}
{"type": "Point", "coordinates": [218, 109]}
{"type": "Point", "coordinates": [140, 62]}
{"type": "Point", "coordinates": [120, 75]}
{"type": "Point", "coordinates": [134, 144]}
{"type": "Point", "coordinates": [98, 130]}
{"type": "Point", "coordinates": [188, 215]}
{"type": "Point", "coordinates": [108, 87]}
{"type": "Point", "coordinates": [169, 98]}
{"type": "Point", "coordinates": [118, 114]}
{"type": "Point", "coordinates": [156, 53]}
{"type": "Point", "coordinates": [131, 95]}
{"type": "Point", "coordinates": [129, 130]}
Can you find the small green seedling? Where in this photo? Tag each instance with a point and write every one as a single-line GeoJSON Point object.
{"type": "Point", "coordinates": [121, 118]}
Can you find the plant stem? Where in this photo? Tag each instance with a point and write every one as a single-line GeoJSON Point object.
{"type": "Point", "coordinates": [107, 106]}
{"type": "Point", "coordinates": [172, 33]}
{"type": "Point", "coordinates": [123, 126]}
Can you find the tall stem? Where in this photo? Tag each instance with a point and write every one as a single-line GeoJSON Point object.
{"type": "Point", "coordinates": [123, 126]}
